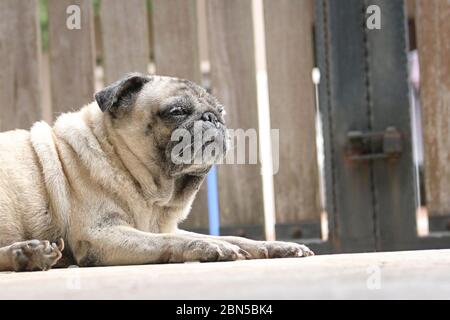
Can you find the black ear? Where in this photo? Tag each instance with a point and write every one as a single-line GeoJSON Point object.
{"type": "Point", "coordinates": [121, 93]}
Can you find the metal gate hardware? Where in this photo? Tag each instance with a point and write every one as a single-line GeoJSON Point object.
{"type": "Point", "coordinates": [386, 144]}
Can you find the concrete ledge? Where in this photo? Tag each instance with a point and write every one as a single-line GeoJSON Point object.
{"type": "Point", "coordinates": [401, 275]}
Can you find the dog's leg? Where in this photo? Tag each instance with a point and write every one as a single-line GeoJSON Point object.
{"type": "Point", "coordinates": [122, 245]}
{"type": "Point", "coordinates": [260, 249]}
{"type": "Point", "coordinates": [187, 188]}
{"type": "Point", "coordinates": [30, 255]}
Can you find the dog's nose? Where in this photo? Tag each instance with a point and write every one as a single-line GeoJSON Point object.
{"type": "Point", "coordinates": [210, 117]}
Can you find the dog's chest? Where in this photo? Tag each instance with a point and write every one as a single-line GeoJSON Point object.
{"type": "Point", "coordinates": [160, 211]}
{"type": "Point", "coordinates": [157, 219]}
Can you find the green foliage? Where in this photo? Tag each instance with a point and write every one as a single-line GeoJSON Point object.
{"type": "Point", "coordinates": [96, 7]}
{"type": "Point", "coordinates": [43, 19]}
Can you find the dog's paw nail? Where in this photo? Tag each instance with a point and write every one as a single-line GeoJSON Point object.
{"type": "Point", "coordinates": [60, 244]}
{"type": "Point", "coordinates": [245, 254]}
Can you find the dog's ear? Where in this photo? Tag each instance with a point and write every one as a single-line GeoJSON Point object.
{"type": "Point", "coordinates": [122, 93]}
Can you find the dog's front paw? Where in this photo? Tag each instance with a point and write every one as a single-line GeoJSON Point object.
{"type": "Point", "coordinates": [35, 255]}
{"type": "Point", "coordinates": [281, 249]}
{"type": "Point", "coordinates": [212, 250]}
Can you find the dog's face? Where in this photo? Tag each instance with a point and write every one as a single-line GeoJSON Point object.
{"type": "Point", "coordinates": [168, 122]}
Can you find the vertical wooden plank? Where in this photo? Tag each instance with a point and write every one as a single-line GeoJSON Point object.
{"type": "Point", "coordinates": [289, 50]}
{"type": "Point", "coordinates": [433, 30]}
{"type": "Point", "coordinates": [202, 34]}
{"type": "Point", "coordinates": [19, 64]}
{"type": "Point", "coordinates": [199, 213]}
{"type": "Point", "coordinates": [231, 51]}
{"type": "Point", "coordinates": [72, 59]}
{"type": "Point", "coordinates": [176, 38]}
{"type": "Point", "coordinates": [46, 104]}
{"type": "Point", "coordinates": [411, 9]}
{"type": "Point", "coordinates": [176, 50]}
{"type": "Point", "coordinates": [125, 37]}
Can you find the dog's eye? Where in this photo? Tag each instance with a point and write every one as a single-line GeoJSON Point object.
{"type": "Point", "coordinates": [177, 111]}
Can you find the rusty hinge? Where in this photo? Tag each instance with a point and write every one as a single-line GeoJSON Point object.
{"type": "Point", "coordinates": [386, 144]}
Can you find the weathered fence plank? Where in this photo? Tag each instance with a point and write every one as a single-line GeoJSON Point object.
{"type": "Point", "coordinates": [19, 64]}
{"type": "Point", "coordinates": [410, 8]}
{"type": "Point", "coordinates": [176, 53]}
{"type": "Point", "coordinates": [125, 37]}
{"type": "Point", "coordinates": [289, 52]}
{"type": "Point", "coordinates": [72, 55]}
{"type": "Point", "coordinates": [176, 38]}
{"type": "Point", "coordinates": [231, 50]}
{"type": "Point", "coordinates": [433, 29]}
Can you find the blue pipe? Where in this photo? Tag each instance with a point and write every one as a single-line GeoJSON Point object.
{"type": "Point", "coordinates": [213, 202]}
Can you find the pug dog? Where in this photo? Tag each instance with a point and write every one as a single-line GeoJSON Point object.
{"type": "Point", "coordinates": [103, 182]}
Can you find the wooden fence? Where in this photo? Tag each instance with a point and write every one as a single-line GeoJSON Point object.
{"type": "Point", "coordinates": [213, 42]}
{"type": "Point", "coordinates": [433, 29]}
{"type": "Point", "coordinates": [177, 37]}
{"type": "Point", "coordinates": [429, 23]}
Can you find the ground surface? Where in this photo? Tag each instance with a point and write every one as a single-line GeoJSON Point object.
{"type": "Point", "coordinates": [392, 275]}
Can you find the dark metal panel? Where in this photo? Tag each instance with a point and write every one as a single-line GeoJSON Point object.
{"type": "Point", "coordinates": [346, 109]}
{"type": "Point", "coordinates": [371, 198]}
{"type": "Point", "coordinates": [393, 180]}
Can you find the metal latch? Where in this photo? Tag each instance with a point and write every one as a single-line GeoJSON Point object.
{"type": "Point", "coordinates": [386, 144]}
